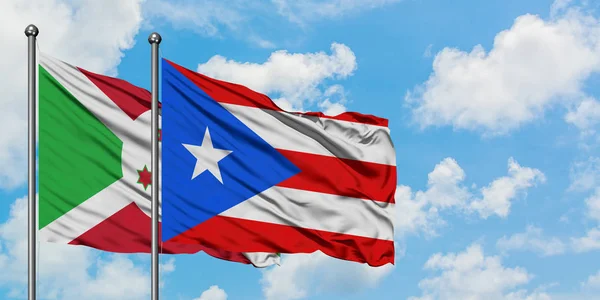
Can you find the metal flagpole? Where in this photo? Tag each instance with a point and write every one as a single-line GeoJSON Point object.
{"type": "Point", "coordinates": [31, 32]}
{"type": "Point", "coordinates": [154, 39]}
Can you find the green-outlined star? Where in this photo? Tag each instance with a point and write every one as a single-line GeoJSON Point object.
{"type": "Point", "coordinates": [145, 177]}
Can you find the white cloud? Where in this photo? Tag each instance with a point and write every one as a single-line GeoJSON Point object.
{"type": "Point", "coordinates": [419, 212]}
{"type": "Point", "coordinates": [443, 183]}
{"type": "Point", "coordinates": [532, 66]}
{"type": "Point", "coordinates": [301, 275]}
{"type": "Point", "coordinates": [415, 214]}
{"type": "Point", "coordinates": [524, 295]}
{"type": "Point", "coordinates": [335, 98]}
{"type": "Point", "coordinates": [67, 272]}
{"type": "Point", "coordinates": [586, 116]}
{"type": "Point", "coordinates": [589, 242]}
{"type": "Point", "coordinates": [212, 18]}
{"type": "Point", "coordinates": [593, 282]}
{"type": "Point", "coordinates": [559, 6]}
{"type": "Point", "coordinates": [585, 175]}
{"type": "Point", "coordinates": [168, 266]}
{"type": "Point", "coordinates": [273, 77]}
{"type": "Point", "coordinates": [534, 240]}
{"type": "Point", "coordinates": [331, 109]}
{"type": "Point", "coordinates": [239, 17]}
{"type": "Point", "coordinates": [204, 16]}
{"type": "Point", "coordinates": [498, 195]}
{"type": "Point", "coordinates": [593, 205]}
{"type": "Point", "coordinates": [213, 293]}
{"type": "Point", "coordinates": [77, 31]}
{"type": "Point", "coordinates": [262, 43]}
{"type": "Point", "coordinates": [472, 275]}
{"type": "Point", "coordinates": [310, 10]}
{"type": "Point", "coordinates": [427, 53]}
{"type": "Point", "coordinates": [114, 279]}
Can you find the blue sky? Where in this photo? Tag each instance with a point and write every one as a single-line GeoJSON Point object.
{"type": "Point", "coordinates": [493, 113]}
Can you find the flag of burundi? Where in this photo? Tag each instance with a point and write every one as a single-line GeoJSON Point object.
{"type": "Point", "coordinates": [94, 164]}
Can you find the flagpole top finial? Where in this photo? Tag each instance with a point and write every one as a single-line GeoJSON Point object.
{"type": "Point", "coordinates": [31, 30]}
{"type": "Point", "coordinates": [154, 38]}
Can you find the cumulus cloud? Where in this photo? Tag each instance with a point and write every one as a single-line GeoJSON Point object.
{"type": "Point", "coordinates": [301, 275]}
{"type": "Point", "coordinates": [473, 275]}
{"type": "Point", "coordinates": [589, 242]}
{"type": "Point", "coordinates": [532, 239]}
{"type": "Point", "coordinates": [335, 99]}
{"type": "Point", "coordinates": [532, 66]}
{"type": "Point", "coordinates": [559, 6]}
{"type": "Point", "coordinates": [586, 179]}
{"type": "Point", "coordinates": [593, 205]}
{"type": "Point", "coordinates": [213, 293]}
{"type": "Point", "coordinates": [496, 197]}
{"type": "Point", "coordinates": [419, 211]}
{"type": "Point", "coordinates": [66, 29]}
{"type": "Point", "coordinates": [294, 89]}
{"type": "Point", "coordinates": [67, 272]}
{"type": "Point", "coordinates": [415, 214]}
{"type": "Point", "coordinates": [586, 116]}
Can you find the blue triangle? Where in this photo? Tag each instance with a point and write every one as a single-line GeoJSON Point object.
{"type": "Point", "coordinates": [252, 167]}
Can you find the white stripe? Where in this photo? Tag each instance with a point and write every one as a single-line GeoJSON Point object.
{"type": "Point", "coordinates": [262, 259]}
{"type": "Point", "coordinates": [322, 136]}
{"type": "Point", "coordinates": [88, 94]}
{"type": "Point", "coordinates": [318, 211]}
{"type": "Point", "coordinates": [88, 214]}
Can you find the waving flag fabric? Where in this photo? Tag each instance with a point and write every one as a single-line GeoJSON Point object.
{"type": "Point", "coordinates": [242, 175]}
{"type": "Point", "coordinates": [94, 164]}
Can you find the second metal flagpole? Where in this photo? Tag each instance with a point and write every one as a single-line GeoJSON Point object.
{"type": "Point", "coordinates": [31, 32]}
{"type": "Point", "coordinates": [154, 39]}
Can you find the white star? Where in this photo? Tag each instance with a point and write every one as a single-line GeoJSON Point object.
{"type": "Point", "coordinates": [207, 157]}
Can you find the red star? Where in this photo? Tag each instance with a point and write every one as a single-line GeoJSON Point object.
{"type": "Point", "coordinates": [145, 177]}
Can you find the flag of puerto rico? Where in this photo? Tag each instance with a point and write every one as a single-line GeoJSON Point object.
{"type": "Point", "coordinates": [242, 175]}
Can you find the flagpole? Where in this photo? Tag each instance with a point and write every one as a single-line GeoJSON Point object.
{"type": "Point", "coordinates": [31, 32]}
{"type": "Point", "coordinates": [154, 39]}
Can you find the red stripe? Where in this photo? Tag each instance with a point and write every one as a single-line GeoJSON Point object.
{"type": "Point", "coordinates": [235, 234]}
{"type": "Point", "coordinates": [128, 231]}
{"type": "Point", "coordinates": [231, 93]}
{"type": "Point", "coordinates": [133, 100]}
{"type": "Point", "coordinates": [344, 177]}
